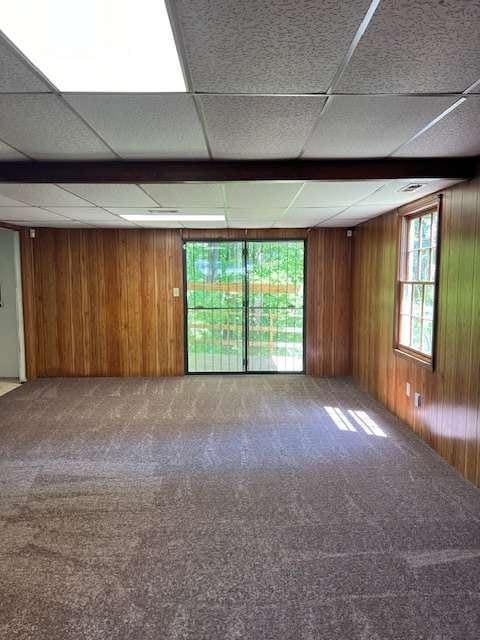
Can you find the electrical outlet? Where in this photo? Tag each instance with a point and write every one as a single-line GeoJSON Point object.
{"type": "Point", "coordinates": [176, 292]}
{"type": "Point", "coordinates": [418, 400]}
{"type": "Point", "coordinates": [407, 389]}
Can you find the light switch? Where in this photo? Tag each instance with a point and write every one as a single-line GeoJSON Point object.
{"type": "Point", "coordinates": [407, 389]}
{"type": "Point", "coordinates": [176, 292]}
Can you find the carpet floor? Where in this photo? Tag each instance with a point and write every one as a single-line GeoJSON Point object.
{"type": "Point", "coordinates": [227, 508]}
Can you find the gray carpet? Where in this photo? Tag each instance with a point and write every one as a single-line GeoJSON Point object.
{"type": "Point", "coordinates": [224, 508]}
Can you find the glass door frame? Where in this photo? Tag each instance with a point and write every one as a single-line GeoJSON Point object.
{"type": "Point", "coordinates": [244, 240]}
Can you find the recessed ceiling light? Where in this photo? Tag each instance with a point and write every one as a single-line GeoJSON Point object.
{"type": "Point", "coordinates": [97, 45]}
{"type": "Point", "coordinates": [173, 218]}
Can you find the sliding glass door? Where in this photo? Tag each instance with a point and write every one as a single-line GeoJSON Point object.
{"type": "Point", "coordinates": [244, 306]}
{"type": "Point", "coordinates": [275, 272]}
{"type": "Point", "coordinates": [215, 279]}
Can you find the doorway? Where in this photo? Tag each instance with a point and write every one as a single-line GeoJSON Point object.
{"type": "Point", "coordinates": [12, 353]}
{"type": "Point", "coordinates": [244, 304]}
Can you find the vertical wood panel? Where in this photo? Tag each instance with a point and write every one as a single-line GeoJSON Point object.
{"type": "Point", "coordinates": [449, 416]}
{"type": "Point", "coordinates": [328, 321]}
{"type": "Point", "coordinates": [62, 292]}
{"type": "Point", "coordinates": [328, 291]}
{"type": "Point", "coordinates": [244, 234]}
{"type": "Point", "coordinates": [100, 302]}
{"type": "Point", "coordinates": [148, 294]}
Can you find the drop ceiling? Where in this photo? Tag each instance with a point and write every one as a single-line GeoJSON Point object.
{"type": "Point", "coordinates": [277, 79]}
{"type": "Point", "coordinates": [242, 204]}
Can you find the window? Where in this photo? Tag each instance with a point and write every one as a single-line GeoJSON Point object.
{"type": "Point", "coordinates": [417, 283]}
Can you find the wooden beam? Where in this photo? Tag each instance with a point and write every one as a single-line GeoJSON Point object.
{"type": "Point", "coordinates": [203, 170]}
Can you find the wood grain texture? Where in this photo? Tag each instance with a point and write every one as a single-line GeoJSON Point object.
{"type": "Point", "coordinates": [100, 303]}
{"type": "Point", "coordinates": [327, 300]}
{"type": "Point", "coordinates": [449, 418]}
{"type": "Point", "coordinates": [244, 234]}
{"type": "Point", "coordinates": [328, 322]}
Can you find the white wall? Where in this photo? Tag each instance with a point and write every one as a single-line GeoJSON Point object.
{"type": "Point", "coordinates": [11, 345]}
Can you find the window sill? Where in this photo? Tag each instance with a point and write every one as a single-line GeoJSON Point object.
{"type": "Point", "coordinates": [413, 358]}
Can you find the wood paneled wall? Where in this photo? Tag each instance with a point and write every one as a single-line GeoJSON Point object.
{"type": "Point", "coordinates": [449, 418]}
{"type": "Point", "coordinates": [328, 302]}
{"type": "Point", "coordinates": [99, 302]}
{"type": "Point", "coordinates": [244, 234]}
{"type": "Point", "coordinates": [328, 291]}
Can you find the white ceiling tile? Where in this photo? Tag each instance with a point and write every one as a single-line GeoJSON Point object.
{"type": "Point", "coordinates": [258, 195]}
{"type": "Point", "coordinates": [391, 193]}
{"type": "Point", "coordinates": [112, 195]}
{"type": "Point", "coordinates": [44, 128]}
{"type": "Point", "coordinates": [178, 210]}
{"type": "Point", "coordinates": [364, 211]}
{"type": "Point", "coordinates": [204, 225]}
{"type": "Point", "coordinates": [307, 217]}
{"type": "Point", "coordinates": [145, 126]}
{"type": "Point", "coordinates": [114, 223]}
{"type": "Point", "coordinates": [246, 214]}
{"type": "Point", "coordinates": [16, 74]}
{"type": "Point", "coordinates": [292, 46]}
{"type": "Point", "coordinates": [84, 213]}
{"type": "Point", "coordinates": [32, 214]}
{"type": "Point", "coordinates": [457, 134]}
{"type": "Point", "coordinates": [252, 215]}
{"type": "Point", "coordinates": [341, 222]}
{"type": "Point", "coordinates": [371, 126]}
{"type": "Point", "coordinates": [331, 193]}
{"type": "Point", "coordinates": [252, 224]}
{"type": "Point", "coordinates": [441, 183]}
{"type": "Point", "coordinates": [159, 225]}
{"type": "Point", "coordinates": [40, 195]}
{"type": "Point", "coordinates": [186, 195]}
{"type": "Point", "coordinates": [63, 223]}
{"type": "Point", "coordinates": [8, 202]}
{"type": "Point", "coordinates": [319, 212]}
{"type": "Point", "coordinates": [60, 223]}
{"type": "Point", "coordinates": [248, 222]}
{"type": "Point", "coordinates": [249, 127]}
{"type": "Point", "coordinates": [7, 153]}
{"type": "Point", "coordinates": [298, 223]}
{"type": "Point", "coordinates": [422, 47]}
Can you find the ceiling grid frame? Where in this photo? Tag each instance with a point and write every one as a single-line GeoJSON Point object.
{"type": "Point", "coordinates": [469, 94]}
{"type": "Point", "coordinates": [54, 90]}
{"type": "Point", "coordinates": [111, 213]}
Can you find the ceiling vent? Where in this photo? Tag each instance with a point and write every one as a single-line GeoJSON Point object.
{"type": "Point", "coordinates": [413, 186]}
